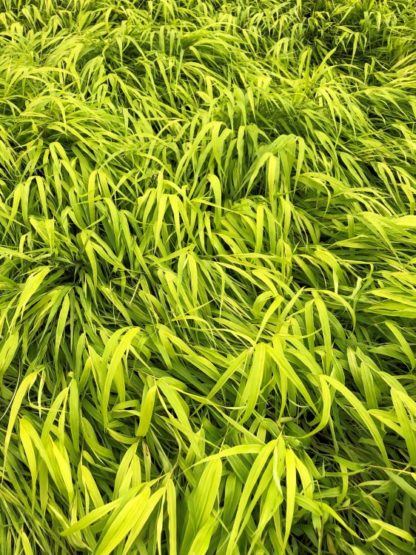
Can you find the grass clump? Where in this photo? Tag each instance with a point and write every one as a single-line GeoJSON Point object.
{"type": "Point", "coordinates": [207, 277]}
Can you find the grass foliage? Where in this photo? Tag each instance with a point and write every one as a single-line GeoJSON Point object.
{"type": "Point", "coordinates": [207, 277]}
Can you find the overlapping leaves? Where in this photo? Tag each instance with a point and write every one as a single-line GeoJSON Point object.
{"type": "Point", "coordinates": [207, 277]}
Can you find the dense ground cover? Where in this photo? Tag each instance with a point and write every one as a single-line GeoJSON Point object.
{"type": "Point", "coordinates": [207, 277]}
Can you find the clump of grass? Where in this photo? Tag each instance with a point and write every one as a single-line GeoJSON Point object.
{"type": "Point", "coordinates": [207, 277]}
